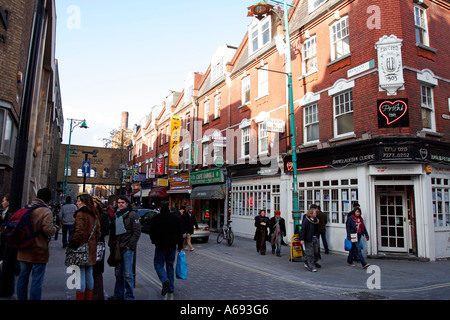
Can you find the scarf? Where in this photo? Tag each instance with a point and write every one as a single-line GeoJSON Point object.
{"type": "Point", "coordinates": [277, 230]}
{"type": "Point", "coordinates": [359, 224]}
{"type": "Point", "coordinates": [120, 225]}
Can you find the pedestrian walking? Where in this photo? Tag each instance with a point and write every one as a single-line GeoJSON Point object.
{"type": "Point", "coordinates": [189, 222]}
{"type": "Point", "coordinates": [67, 220]}
{"type": "Point", "coordinates": [99, 266]}
{"type": "Point", "coordinates": [261, 234]}
{"type": "Point", "coordinates": [86, 230]}
{"type": "Point", "coordinates": [34, 258]}
{"type": "Point", "coordinates": [125, 232]}
{"type": "Point", "coordinates": [323, 220]}
{"type": "Point", "coordinates": [277, 232]}
{"type": "Point", "coordinates": [166, 234]}
{"type": "Point", "coordinates": [4, 216]}
{"type": "Point", "coordinates": [355, 230]}
{"type": "Point", "coordinates": [309, 236]}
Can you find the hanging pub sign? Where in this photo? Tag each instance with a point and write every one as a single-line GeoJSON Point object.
{"type": "Point", "coordinates": [393, 113]}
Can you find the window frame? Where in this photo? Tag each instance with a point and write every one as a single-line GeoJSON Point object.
{"type": "Point", "coordinates": [310, 119]}
{"type": "Point", "coordinates": [335, 43]}
{"type": "Point", "coordinates": [422, 27]}
{"type": "Point", "coordinates": [428, 106]}
{"type": "Point", "coordinates": [337, 115]}
{"type": "Point", "coordinates": [263, 81]}
{"type": "Point", "coordinates": [307, 57]}
{"type": "Point", "coordinates": [260, 34]}
{"type": "Point", "coordinates": [245, 90]}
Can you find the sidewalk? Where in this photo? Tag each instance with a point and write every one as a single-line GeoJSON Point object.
{"type": "Point", "coordinates": [399, 279]}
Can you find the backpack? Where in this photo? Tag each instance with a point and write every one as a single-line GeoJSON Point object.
{"type": "Point", "coordinates": [18, 230]}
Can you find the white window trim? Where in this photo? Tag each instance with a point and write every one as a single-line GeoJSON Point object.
{"type": "Point", "coordinates": [206, 107]}
{"type": "Point", "coordinates": [258, 25]}
{"type": "Point", "coordinates": [426, 34]}
{"type": "Point", "coordinates": [217, 105]}
{"type": "Point", "coordinates": [332, 42]}
{"type": "Point", "coordinates": [305, 132]}
{"type": "Point", "coordinates": [243, 141]}
{"type": "Point", "coordinates": [432, 109]}
{"type": "Point", "coordinates": [243, 91]}
{"type": "Point", "coordinates": [335, 128]}
{"type": "Point", "coordinates": [316, 69]}
{"type": "Point", "coordinates": [263, 134]}
{"type": "Point", "coordinates": [311, 6]}
{"type": "Point", "coordinates": [263, 81]}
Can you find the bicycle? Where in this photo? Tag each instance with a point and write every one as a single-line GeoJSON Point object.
{"type": "Point", "coordinates": [226, 233]}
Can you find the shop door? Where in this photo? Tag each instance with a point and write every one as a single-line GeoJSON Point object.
{"type": "Point", "coordinates": [392, 222]}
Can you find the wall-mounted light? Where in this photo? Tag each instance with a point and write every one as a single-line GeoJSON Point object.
{"type": "Point", "coordinates": [19, 77]}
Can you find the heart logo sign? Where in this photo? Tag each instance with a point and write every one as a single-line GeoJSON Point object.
{"type": "Point", "coordinates": [290, 166]}
{"type": "Point", "coordinates": [393, 110]}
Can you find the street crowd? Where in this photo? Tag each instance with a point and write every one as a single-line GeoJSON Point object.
{"type": "Point", "coordinates": [88, 222]}
{"type": "Point", "coordinates": [85, 226]}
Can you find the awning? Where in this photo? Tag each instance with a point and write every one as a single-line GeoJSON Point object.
{"type": "Point", "coordinates": [158, 192]}
{"type": "Point", "coordinates": [145, 193]}
{"type": "Point", "coordinates": [209, 192]}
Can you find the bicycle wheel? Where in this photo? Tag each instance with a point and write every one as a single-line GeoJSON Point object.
{"type": "Point", "coordinates": [230, 239]}
{"type": "Point", "coordinates": [220, 236]}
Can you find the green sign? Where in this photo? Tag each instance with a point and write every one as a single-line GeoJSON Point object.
{"type": "Point", "coordinates": [219, 162]}
{"type": "Point", "coordinates": [206, 177]}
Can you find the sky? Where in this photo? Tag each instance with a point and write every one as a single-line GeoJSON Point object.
{"type": "Point", "coordinates": [116, 56]}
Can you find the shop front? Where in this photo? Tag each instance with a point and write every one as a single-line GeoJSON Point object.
{"type": "Point", "coordinates": [254, 187]}
{"type": "Point", "coordinates": [209, 195]}
{"type": "Point", "coordinates": [179, 191]}
{"type": "Point", "coordinates": [402, 186]}
{"type": "Point", "coordinates": [158, 193]}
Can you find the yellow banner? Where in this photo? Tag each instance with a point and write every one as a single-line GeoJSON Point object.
{"type": "Point", "coordinates": [175, 132]}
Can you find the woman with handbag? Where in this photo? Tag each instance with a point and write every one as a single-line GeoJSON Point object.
{"type": "Point", "coordinates": [355, 230]}
{"type": "Point", "coordinates": [86, 231]}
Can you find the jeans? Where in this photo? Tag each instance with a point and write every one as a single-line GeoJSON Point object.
{"type": "Point", "coordinates": [124, 288]}
{"type": "Point", "coordinates": [356, 251]}
{"type": "Point", "coordinates": [167, 258]}
{"type": "Point", "coordinates": [37, 271]}
{"type": "Point", "coordinates": [67, 228]}
{"type": "Point", "coordinates": [312, 253]}
{"type": "Point", "coordinates": [86, 278]}
{"type": "Point", "coordinates": [276, 246]}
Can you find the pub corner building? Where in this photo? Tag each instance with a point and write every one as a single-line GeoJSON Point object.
{"type": "Point", "coordinates": [394, 160]}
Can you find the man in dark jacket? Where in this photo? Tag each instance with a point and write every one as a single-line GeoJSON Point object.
{"type": "Point", "coordinates": [166, 235]}
{"type": "Point", "coordinates": [125, 230]}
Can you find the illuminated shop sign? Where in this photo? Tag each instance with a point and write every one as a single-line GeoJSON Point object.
{"type": "Point", "coordinates": [393, 113]}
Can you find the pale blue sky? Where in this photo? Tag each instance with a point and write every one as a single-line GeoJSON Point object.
{"type": "Point", "coordinates": [119, 56]}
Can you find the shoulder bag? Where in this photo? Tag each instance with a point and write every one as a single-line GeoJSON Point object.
{"type": "Point", "coordinates": [79, 256]}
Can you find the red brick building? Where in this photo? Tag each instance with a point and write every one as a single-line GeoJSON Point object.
{"type": "Point", "coordinates": [46, 121]}
{"type": "Point", "coordinates": [371, 108]}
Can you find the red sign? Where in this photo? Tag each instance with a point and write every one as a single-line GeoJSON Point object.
{"type": "Point", "coordinates": [159, 166]}
{"type": "Point", "coordinates": [393, 113]}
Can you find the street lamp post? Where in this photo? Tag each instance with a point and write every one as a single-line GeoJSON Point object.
{"type": "Point", "coordinates": [73, 124]}
{"type": "Point", "coordinates": [258, 10]}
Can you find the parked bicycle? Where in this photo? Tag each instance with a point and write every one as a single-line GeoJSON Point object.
{"type": "Point", "coordinates": [226, 233]}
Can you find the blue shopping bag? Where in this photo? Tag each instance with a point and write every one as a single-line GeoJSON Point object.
{"type": "Point", "coordinates": [181, 269]}
{"type": "Point", "coordinates": [347, 244]}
